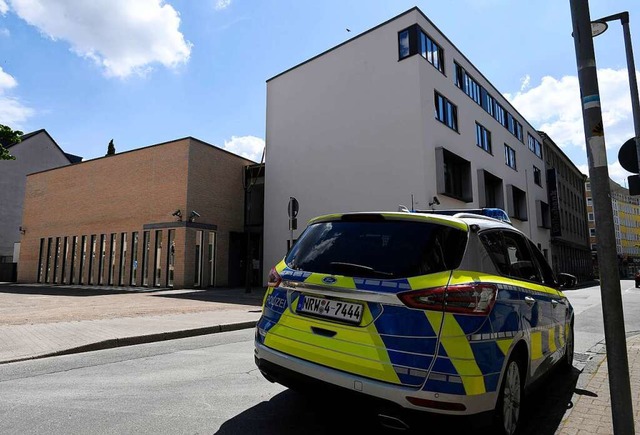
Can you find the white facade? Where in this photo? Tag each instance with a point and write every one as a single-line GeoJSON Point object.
{"type": "Point", "coordinates": [353, 129]}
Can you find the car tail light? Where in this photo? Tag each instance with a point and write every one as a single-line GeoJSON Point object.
{"type": "Point", "coordinates": [475, 299]}
{"type": "Point", "coordinates": [274, 278]}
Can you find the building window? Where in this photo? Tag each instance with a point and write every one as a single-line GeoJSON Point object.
{"type": "Point", "coordinates": [171, 257]}
{"type": "Point", "coordinates": [454, 175]}
{"type": "Point", "coordinates": [589, 202]}
{"type": "Point", "coordinates": [134, 258]}
{"type": "Point", "coordinates": [465, 82]}
{"type": "Point", "coordinates": [517, 202]}
{"type": "Point", "coordinates": [594, 247]}
{"type": "Point", "coordinates": [56, 260]}
{"type": "Point", "coordinates": [74, 247]}
{"type": "Point", "coordinates": [65, 253]}
{"type": "Point", "coordinates": [40, 262]}
{"type": "Point", "coordinates": [591, 217]}
{"type": "Point", "coordinates": [197, 276]}
{"type": "Point", "coordinates": [83, 259]}
{"type": "Point", "coordinates": [212, 258]}
{"type": "Point", "coordinates": [92, 256]}
{"type": "Point", "coordinates": [431, 51]}
{"type": "Point", "coordinates": [510, 156]}
{"type": "Point", "coordinates": [499, 114]}
{"type": "Point", "coordinates": [446, 112]}
{"type": "Point", "coordinates": [543, 214]}
{"type": "Point", "coordinates": [158, 260]}
{"type": "Point", "coordinates": [112, 259]}
{"type": "Point", "coordinates": [491, 187]}
{"type": "Point", "coordinates": [592, 232]}
{"type": "Point", "coordinates": [587, 187]}
{"type": "Point", "coordinates": [483, 138]}
{"type": "Point", "coordinates": [145, 258]}
{"type": "Point", "coordinates": [403, 43]}
{"type": "Point", "coordinates": [488, 103]}
{"type": "Point", "coordinates": [123, 258]}
{"type": "Point", "coordinates": [103, 253]}
{"type": "Point", "coordinates": [519, 131]}
{"type": "Point", "coordinates": [514, 127]}
{"type": "Point", "coordinates": [537, 176]}
{"type": "Point", "coordinates": [414, 40]}
{"type": "Point", "coordinates": [534, 146]}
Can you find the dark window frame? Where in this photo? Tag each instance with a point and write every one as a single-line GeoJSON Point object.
{"type": "Point", "coordinates": [445, 111]}
{"type": "Point", "coordinates": [537, 176]}
{"type": "Point", "coordinates": [483, 138]}
{"type": "Point", "coordinates": [510, 157]}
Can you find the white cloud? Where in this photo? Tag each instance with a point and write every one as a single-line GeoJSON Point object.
{"type": "Point", "coordinates": [12, 112]}
{"type": "Point", "coordinates": [525, 82]}
{"type": "Point", "coordinates": [3, 7]}
{"type": "Point", "coordinates": [220, 4]}
{"type": "Point", "coordinates": [124, 37]}
{"type": "Point", "coordinates": [616, 173]}
{"type": "Point", "coordinates": [249, 147]}
{"type": "Point", "coordinates": [553, 106]}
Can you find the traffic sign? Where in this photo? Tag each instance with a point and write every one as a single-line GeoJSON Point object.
{"type": "Point", "coordinates": [628, 157]}
{"type": "Point", "coordinates": [293, 207]}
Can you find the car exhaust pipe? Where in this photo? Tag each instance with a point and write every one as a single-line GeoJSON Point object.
{"type": "Point", "coordinates": [392, 422]}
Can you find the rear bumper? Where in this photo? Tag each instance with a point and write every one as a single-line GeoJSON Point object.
{"type": "Point", "coordinates": [295, 372]}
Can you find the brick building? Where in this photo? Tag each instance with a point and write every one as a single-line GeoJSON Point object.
{"type": "Point", "coordinates": [162, 216]}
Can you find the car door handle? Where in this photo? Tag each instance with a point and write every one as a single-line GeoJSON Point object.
{"type": "Point", "coordinates": [554, 303]}
{"type": "Point", "coordinates": [529, 300]}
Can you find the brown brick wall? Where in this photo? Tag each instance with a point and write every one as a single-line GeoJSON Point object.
{"type": "Point", "coordinates": [122, 193]}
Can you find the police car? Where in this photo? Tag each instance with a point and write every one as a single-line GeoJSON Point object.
{"type": "Point", "coordinates": [445, 312]}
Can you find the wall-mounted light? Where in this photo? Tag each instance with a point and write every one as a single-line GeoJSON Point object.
{"type": "Point", "coordinates": [23, 230]}
{"type": "Point", "coordinates": [177, 214]}
{"type": "Point", "coordinates": [194, 214]}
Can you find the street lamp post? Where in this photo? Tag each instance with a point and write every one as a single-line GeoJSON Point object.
{"type": "Point", "coordinates": [614, 330]}
{"type": "Point", "coordinates": [598, 27]}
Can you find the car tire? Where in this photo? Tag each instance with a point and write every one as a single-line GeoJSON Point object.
{"type": "Point", "coordinates": [567, 360]}
{"type": "Point", "coordinates": [508, 407]}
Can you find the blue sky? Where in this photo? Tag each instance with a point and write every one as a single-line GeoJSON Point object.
{"type": "Point", "coordinates": [148, 71]}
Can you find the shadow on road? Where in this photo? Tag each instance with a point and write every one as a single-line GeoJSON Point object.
{"type": "Point", "coordinates": [227, 296]}
{"type": "Point", "coordinates": [71, 290]}
{"type": "Point", "coordinates": [293, 413]}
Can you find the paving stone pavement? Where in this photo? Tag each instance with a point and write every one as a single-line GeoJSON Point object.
{"type": "Point", "coordinates": [591, 410]}
{"type": "Point", "coordinates": [38, 321]}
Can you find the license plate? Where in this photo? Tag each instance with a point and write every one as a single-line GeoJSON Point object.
{"type": "Point", "coordinates": [331, 309]}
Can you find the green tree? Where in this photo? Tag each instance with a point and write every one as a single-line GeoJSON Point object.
{"type": "Point", "coordinates": [8, 137]}
{"type": "Point", "coordinates": [111, 149]}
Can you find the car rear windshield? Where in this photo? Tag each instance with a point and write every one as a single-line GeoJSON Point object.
{"type": "Point", "coordinates": [384, 249]}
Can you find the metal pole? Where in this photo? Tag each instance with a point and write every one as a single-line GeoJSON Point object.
{"type": "Point", "coordinates": [633, 83]}
{"type": "Point", "coordinates": [614, 331]}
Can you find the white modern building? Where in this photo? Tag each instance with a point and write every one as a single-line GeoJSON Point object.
{"type": "Point", "coordinates": [396, 115]}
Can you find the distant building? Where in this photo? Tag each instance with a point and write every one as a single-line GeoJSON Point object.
{"type": "Point", "coordinates": [36, 152]}
{"type": "Point", "coordinates": [626, 219]}
{"type": "Point", "coordinates": [397, 115]}
{"type": "Point", "coordinates": [167, 215]}
{"type": "Point", "coordinates": [570, 249]}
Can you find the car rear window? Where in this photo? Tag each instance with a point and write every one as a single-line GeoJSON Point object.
{"type": "Point", "coordinates": [384, 249]}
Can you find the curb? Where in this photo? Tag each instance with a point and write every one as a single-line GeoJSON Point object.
{"type": "Point", "coordinates": [141, 339]}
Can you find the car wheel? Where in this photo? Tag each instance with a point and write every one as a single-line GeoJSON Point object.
{"type": "Point", "coordinates": [567, 361]}
{"type": "Point", "coordinates": [507, 412]}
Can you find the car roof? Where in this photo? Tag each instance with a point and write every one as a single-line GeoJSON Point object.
{"type": "Point", "coordinates": [460, 220]}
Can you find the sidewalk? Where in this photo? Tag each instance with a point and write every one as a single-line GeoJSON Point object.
{"type": "Point", "coordinates": [38, 321]}
{"type": "Point", "coordinates": [591, 410]}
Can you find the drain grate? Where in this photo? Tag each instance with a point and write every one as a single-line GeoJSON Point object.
{"type": "Point", "coordinates": [582, 357]}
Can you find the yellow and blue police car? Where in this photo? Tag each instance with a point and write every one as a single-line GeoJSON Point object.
{"type": "Point", "coordinates": [455, 313]}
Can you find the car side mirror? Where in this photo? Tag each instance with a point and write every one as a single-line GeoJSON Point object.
{"type": "Point", "coordinates": [566, 280]}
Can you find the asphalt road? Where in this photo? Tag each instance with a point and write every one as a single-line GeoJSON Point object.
{"type": "Point", "coordinates": [209, 384]}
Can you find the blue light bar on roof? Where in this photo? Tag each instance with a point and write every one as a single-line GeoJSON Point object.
{"type": "Point", "coordinates": [496, 213]}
